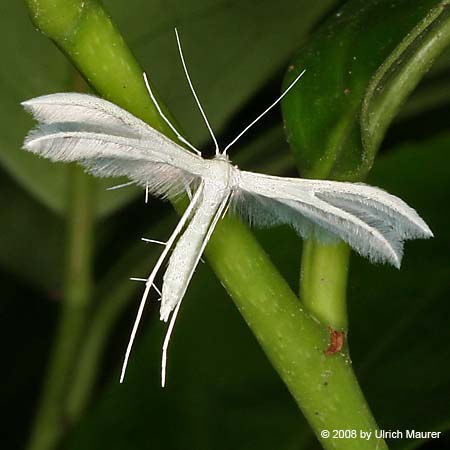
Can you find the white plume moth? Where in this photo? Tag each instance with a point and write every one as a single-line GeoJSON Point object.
{"type": "Point", "coordinates": [109, 141]}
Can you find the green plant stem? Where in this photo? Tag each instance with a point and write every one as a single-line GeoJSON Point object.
{"type": "Point", "coordinates": [324, 387]}
{"type": "Point", "coordinates": [52, 418]}
{"type": "Point", "coordinates": [323, 281]}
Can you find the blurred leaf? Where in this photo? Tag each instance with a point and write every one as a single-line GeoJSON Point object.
{"type": "Point", "coordinates": [361, 66]}
{"type": "Point", "coordinates": [435, 93]}
{"type": "Point", "coordinates": [27, 323]}
{"type": "Point", "coordinates": [223, 394]}
{"type": "Point", "coordinates": [235, 41]}
{"type": "Point", "coordinates": [31, 239]}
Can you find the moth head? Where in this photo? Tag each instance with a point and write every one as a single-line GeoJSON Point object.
{"type": "Point", "coordinates": [222, 157]}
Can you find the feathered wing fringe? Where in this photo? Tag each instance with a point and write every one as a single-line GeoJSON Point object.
{"type": "Point", "coordinates": [86, 110]}
{"type": "Point", "coordinates": [371, 221]}
{"type": "Point", "coordinates": [108, 155]}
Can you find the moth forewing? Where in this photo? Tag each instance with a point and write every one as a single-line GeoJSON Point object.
{"type": "Point", "coordinates": [87, 111]}
{"type": "Point", "coordinates": [109, 141]}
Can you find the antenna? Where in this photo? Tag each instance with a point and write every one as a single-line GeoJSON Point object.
{"type": "Point", "coordinates": [158, 108]}
{"type": "Point", "coordinates": [264, 113]}
{"type": "Point", "coordinates": [194, 93]}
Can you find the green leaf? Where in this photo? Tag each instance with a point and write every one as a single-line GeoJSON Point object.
{"type": "Point", "coordinates": [399, 353]}
{"type": "Point", "coordinates": [31, 239]}
{"type": "Point", "coordinates": [399, 74]}
{"type": "Point", "coordinates": [361, 65]}
{"type": "Point", "coordinates": [41, 69]}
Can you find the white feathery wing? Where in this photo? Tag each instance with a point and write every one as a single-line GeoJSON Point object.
{"type": "Point", "coordinates": [109, 141]}
{"type": "Point", "coordinates": [372, 221]}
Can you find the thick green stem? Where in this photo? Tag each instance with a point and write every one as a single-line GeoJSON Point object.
{"type": "Point", "coordinates": [52, 418]}
{"type": "Point", "coordinates": [323, 281]}
{"type": "Point", "coordinates": [324, 386]}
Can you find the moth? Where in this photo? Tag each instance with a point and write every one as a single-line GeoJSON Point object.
{"type": "Point", "coordinates": [109, 141]}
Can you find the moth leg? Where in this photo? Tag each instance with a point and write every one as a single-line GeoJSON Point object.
{"type": "Point", "coordinates": [146, 193]}
{"type": "Point", "coordinates": [156, 288]}
{"type": "Point", "coordinates": [227, 208]}
{"type": "Point", "coordinates": [120, 186]}
{"type": "Point", "coordinates": [144, 280]}
{"type": "Point", "coordinates": [166, 343]}
{"type": "Point", "coordinates": [150, 279]}
{"type": "Point", "coordinates": [177, 134]}
{"type": "Point", "coordinates": [153, 241]}
{"type": "Point", "coordinates": [217, 217]}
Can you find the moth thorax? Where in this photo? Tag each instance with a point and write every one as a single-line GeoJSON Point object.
{"type": "Point", "coordinates": [220, 173]}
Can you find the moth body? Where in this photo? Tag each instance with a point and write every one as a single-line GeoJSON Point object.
{"type": "Point", "coordinates": [214, 195]}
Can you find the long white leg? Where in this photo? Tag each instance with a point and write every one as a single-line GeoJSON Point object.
{"type": "Point", "coordinates": [152, 276]}
{"type": "Point", "coordinates": [166, 343]}
{"type": "Point", "coordinates": [211, 228]}
{"type": "Point", "coordinates": [120, 186]}
{"type": "Point", "coordinates": [146, 193]}
{"type": "Point", "coordinates": [154, 241]}
{"type": "Point", "coordinates": [144, 280]}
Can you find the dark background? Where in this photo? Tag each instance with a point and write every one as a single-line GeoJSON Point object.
{"type": "Point", "coordinates": [222, 393]}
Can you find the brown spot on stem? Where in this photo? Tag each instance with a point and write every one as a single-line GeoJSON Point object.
{"type": "Point", "coordinates": [337, 339]}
